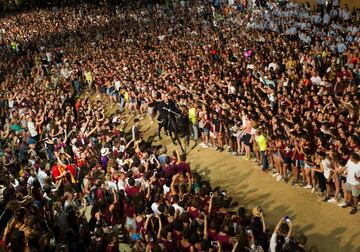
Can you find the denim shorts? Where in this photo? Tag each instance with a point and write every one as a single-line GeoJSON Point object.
{"type": "Point", "coordinates": [300, 163]}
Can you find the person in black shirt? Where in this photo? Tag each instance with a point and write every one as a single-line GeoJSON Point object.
{"type": "Point", "coordinates": [136, 133]}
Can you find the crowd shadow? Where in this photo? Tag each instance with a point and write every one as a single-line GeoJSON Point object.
{"type": "Point", "coordinates": [243, 194]}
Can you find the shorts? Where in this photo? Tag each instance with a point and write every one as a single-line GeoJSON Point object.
{"type": "Point", "coordinates": [300, 163]}
{"type": "Point", "coordinates": [213, 135]}
{"type": "Point", "coordinates": [286, 160]}
{"type": "Point", "coordinates": [276, 154]}
{"type": "Point", "coordinates": [130, 223]}
{"type": "Point", "coordinates": [354, 189]}
{"type": "Point", "coordinates": [206, 131]}
{"type": "Point", "coordinates": [246, 139]}
{"type": "Point", "coordinates": [109, 91]}
{"type": "Point", "coordinates": [307, 166]}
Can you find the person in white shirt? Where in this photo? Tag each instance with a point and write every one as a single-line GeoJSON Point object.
{"type": "Point", "coordinates": [273, 65]}
{"type": "Point", "coordinates": [49, 57]}
{"type": "Point", "coordinates": [341, 47]}
{"type": "Point", "coordinates": [315, 78]}
{"type": "Point", "coordinates": [155, 205]}
{"type": "Point", "coordinates": [31, 127]}
{"type": "Point", "coordinates": [326, 170]}
{"type": "Point", "coordinates": [334, 14]}
{"type": "Point", "coordinates": [326, 18]}
{"type": "Point", "coordinates": [41, 176]}
{"type": "Point", "coordinates": [335, 3]}
{"type": "Point", "coordinates": [283, 224]}
{"type": "Point", "coordinates": [32, 178]}
{"type": "Point", "coordinates": [352, 169]}
{"type": "Point", "coordinates": [316, 19]}
{"type": "Point", "coordinates": [345, 14]}
{"type": "Point", "coordinates": [176, 204]}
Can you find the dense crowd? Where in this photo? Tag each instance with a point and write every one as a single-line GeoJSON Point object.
{"type": "Point", "coordinates": [277, 83]}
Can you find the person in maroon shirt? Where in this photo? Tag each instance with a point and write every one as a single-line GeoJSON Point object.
{"type": "Point", "coordinates": [169, 168]}
{"type": "Point", "coordinates": [130, 189]}
{"type": "Point", "coordinates": [182, 164]}
{"type": "Point", "coordinates": [176, 235]}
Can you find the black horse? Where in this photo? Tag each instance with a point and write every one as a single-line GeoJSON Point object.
{"type": "Point", "coordinates": [170, 118]}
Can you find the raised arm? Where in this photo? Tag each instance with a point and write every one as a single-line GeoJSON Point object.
{"type": "Point", "coordinates": [148, 193]}
{"type": "Point", "coordinates": [129, 143]}
{"type": "Point", "coordinates": [12, 98]}
{"type": "Point", "coordinates": [147, 222]}
{"type": "Point", "coordinates": [160, 227]}
{"type": "Point", "coordinates": [91, 132]}
{"type": "Point", "coordinates": [263, 221]}
{"type": "Point", "coordinates": [158, 165]}
{"type": "Point", "coordinates": [172, 186]}
{"type": "Point", "coordinates": [67, 135]}
{"type": "Point", "coordinates": [189, 180]}
{"type": "Point", "coordinates": [59, 160]}
{"type": "Point", "coordinates": [290, 229]}
{"type": "Point", "coordinates": [112, 206]}
{"type": "Point", "coordinates": [205, 228]}
{"type": "Point", "coordinates": [177, 157]}
{"type": "Point", "coordinates": [278, 226]}
{"type": "Point", "coordinates": [211, 203]}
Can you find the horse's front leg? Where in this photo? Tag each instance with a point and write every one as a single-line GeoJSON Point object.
{"type": "Point", "coordinates": [159, 131]}
{"type": "Point", "coordinates": [179, 140]}
{"type": "Point", "coordinates": [171, 136]}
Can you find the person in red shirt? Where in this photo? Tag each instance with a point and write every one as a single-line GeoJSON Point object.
{"type": "Point", "coordinates": [57, 172]}
{"type": "Point", "coordinates": [62, 169]}
{"type": "Point", "coordinates": [130, 189]}
{"type": "Point", "coordinates": [182, 164]}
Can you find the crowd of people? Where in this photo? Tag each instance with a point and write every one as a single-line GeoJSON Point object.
{"type": "Point", "coordinates": [276, 83]}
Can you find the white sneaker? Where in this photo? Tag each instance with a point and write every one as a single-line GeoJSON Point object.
{"type": "Point", "coordinates": [275, 174]}
{"type": "Point", "coordinates": [332, 200]}
{"type": "Point", "coordinates": [278, 178]}
{"type": "Point", "coordinates": [313, 190]}
{"type": "Point", "coordinates": [342, 203]}
{"type": "Point", "coordinates": [307, 187]}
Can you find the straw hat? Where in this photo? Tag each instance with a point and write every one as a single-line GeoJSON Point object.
{"type": "Point", "coordinates": [104, 151]}
{"type": "Point", "coordinates": [257, 211]}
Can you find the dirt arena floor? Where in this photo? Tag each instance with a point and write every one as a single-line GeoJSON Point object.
{"type": "Point", "coordinates": [326, 225]}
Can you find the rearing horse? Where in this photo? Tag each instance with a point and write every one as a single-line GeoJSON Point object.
{"type": "Point", "coordinates": [169, 118]}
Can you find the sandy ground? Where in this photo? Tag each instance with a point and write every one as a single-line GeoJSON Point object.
{"type": "Point", "coordinates": [326, 225]}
